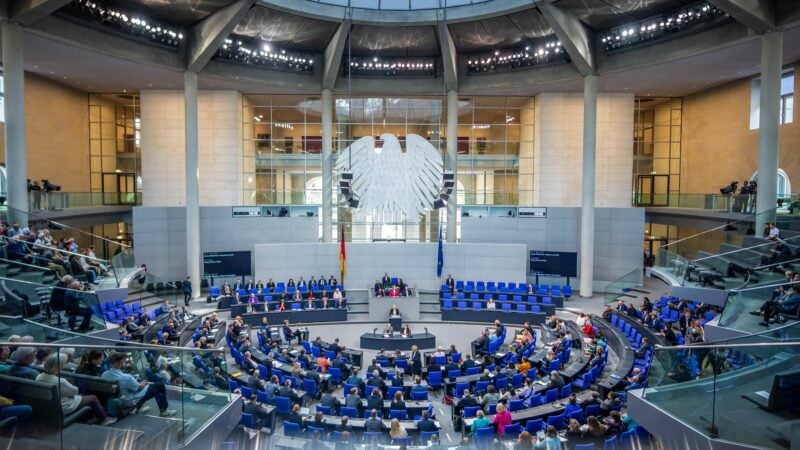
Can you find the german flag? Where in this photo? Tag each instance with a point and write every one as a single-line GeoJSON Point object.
{"type": "Point", "coordinates": [342, 258]}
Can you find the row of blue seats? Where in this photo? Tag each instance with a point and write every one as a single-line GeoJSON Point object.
{"type": "Point", "coordinates": [505, 306]}
{"type": "Point", "coordinates": [508, 288]}
{"type": "Point", "coordinates": [499, 297]}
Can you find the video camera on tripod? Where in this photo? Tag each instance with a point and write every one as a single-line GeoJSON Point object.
{"type": "Point", "coordinates": [47, 186]}
{"type": "Point", "coordinates": [749, 188]}
{"type": "Point", "coordinates": [730, 189]}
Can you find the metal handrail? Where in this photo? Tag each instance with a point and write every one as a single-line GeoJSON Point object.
{"type": "Point", "coordinates": [60, 250]}
{"type": "Point", "coordinates": [777, 264]}
{"type": "Point", "coordinates": [39, 217]}
{"type": "Point", "coordinates": [118, 344]}
{"type": "Point", "coordinates": [717, 346]}
{"type": "Point", "coordinates": [46, 286]}
{"type": "Point", "coordinates": [745, 248]}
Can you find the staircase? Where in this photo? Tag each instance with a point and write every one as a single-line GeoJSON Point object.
{"type": "Point", "coordinates": [429, 306]}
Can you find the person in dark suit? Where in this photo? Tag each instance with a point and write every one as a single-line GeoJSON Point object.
{"type": "Point", "coordinates": [259, 414]}
{"type": "Point", "coordinates": [295, 417]}
{"type": "Point", "coordinates": [397, 403]}
{"type": "Point", "coordinates": [374, 366]}
{"type": "Point", "coordinates": [375, 400]}
{"type": "Point", "coordinates": [451, 365]}
{"type": "Point", "coordinates": [237, 285]}
{"type": "Point", "coordinates": [468, 363]}
{"type": "Point", "coordinates": [329, 400]}
{"type": "Point", "coordinates": [451, 284]}
{"type": "Point", "coordinates": [467, 400]}
{"type": "Point", "coordinates": [353, 400]}
{"type": "Point", "coordinates": [186, 287]}
{"type": "Point", "coordinates": [344, 426]}
{"type": "Point", "coordinates": [376, 380]}
{"type": "Point", "coordinates": [482, 343]}
{"type": "Point", "coordinates": [416, 361]}
{"type": "Point", "coordinates": [290, 283]}
{"type": "Point", "coordinates": [319, 421]}
{"type": "Point", "coordinates": [335, 347]}
{"type": "Point", "coordinates": [374, 423]}
{"type": "Point", "coordinates": [301, 283]}
{"type": "Point", "coordinates": [271, 285]}
{"type": "Point", "coordinates": [394, 311]}
{"type": "Point", "coordinates": [397, 381]}
{"type": "Point", "coordinates": [312, 283]}
{"type": "Point", "coordinates": [344, 443]}
{"type": "Point", "coordinates": [377, 288]}
{"type": "Point", "coordinates": [556, 381]}
{"type": "Point", "coordinates": [386, 280]}
{"type": "Point", "coordinates": [426, 424]}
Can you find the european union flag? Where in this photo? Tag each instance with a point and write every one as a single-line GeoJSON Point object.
{"type": "Point", "coordinates": [440, 264]}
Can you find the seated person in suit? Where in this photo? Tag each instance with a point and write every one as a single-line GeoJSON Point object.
{"type": "Point", "coordinates": [377, 288]}
{"type": "Point", "coordinates": [310, 302]}
{"type": "Point", "coordinates": [394, 311]}
{"type": "Point", "coordinates": [376, 380]}
{"type": "Point", "coordinates": [226, 289]}
{"type": "Point", "coordinates": [406, 331]}
{"type": "Point", "coordinates": [256, 410]}
{"type": "Point", "coordinates": [332, 282]}
{"type": "Point", "coordinates": [375, 400]}
{"type": "Point", "coordinates": [318, 422]}
{"type": "Point", "coordinates": [298, 297]}
{"type": "Point", "coordinates": [271, 285]}
{"type": "Point", "coordinates": [353, 400]}
{"type": "Point", "coordinates": [425, 424]}
{"type": "Point", "coordinates": [418, 387]}
{"type": "Point", "coordinates": [322, 281]}
{"type": "Point", "coordinates": [290, 283]}
{"type": "Point", "coordinates": [374, 423]}
{"type": "Point", "coordinates": [295, 417]}
{"type": "Point", "coordinates": [301, 283]}
{"type": "Point", "coordinates": [397, 402]}
{"type": "Point", "coordinates": [312, 283]}
{"type": "Point", "coordinates": [389, 330]}
{"type": "Point", "coordinates": [260, 286]}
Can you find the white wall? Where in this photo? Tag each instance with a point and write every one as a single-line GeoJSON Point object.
{"type": "Point", "coordinates": [163, 148]}
{"type": "Point", "coordinates": [414, 262]}
{"type": "Point", "coordinates": [618, 237]}
{"type": "Point", "coordinates": [558, 149]}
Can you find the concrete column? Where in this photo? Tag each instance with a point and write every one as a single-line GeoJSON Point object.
{"type": "Point", "coordinates": [192, 181]}
{"type": "Point", "coordinates": [16, 159]}
{"type": "Point", "coordinates": [452, 162]}
{"type": "Point", "coordinates": [327, 164]}
{"type": "Point", "coordinates": [768, 121]}
{"type": "Point", "coordinates": [587, 188]}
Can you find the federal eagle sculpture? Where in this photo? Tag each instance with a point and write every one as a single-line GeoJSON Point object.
{"type": "Point", "coordinates": [389, 179]}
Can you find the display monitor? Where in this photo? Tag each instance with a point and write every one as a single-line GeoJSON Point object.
{"type": "Point", "coordinates": [226, 264]}
{"type": "Point", "coordinates": [553, 264]}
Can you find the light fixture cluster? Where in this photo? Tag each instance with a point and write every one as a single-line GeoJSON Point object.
{"type": "Point", "coordinates": [265, 56]}
{"type": "Point", "coordinates": [390, 66]}
{"type": "Point", "coordinates": [658, 27]}
{"type": "Point", "coordinates": [550, 52]}
{"type": "Point", "coordinates": [132, 23]}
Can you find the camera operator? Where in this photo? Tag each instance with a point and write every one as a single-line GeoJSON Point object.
{"type": "Point", "coordinates": [36, 190]}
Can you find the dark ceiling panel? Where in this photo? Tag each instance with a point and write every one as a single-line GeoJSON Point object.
{"type": "Point", "coordinates": [394, 41]}
{"type": "Point", "coordinates": [176, 12]}
{"type": "Point", "coordinates": [286, 30]}
{"type": "Point", "coordinates": [508, 31]}
{"type": "Point", "coordinates": [604, 14]}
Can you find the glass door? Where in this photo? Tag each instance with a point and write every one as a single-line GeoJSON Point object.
{"type": "Point", "coordinates": [652, 190]}
{"type": "Point", "coordinates": [119, 188]}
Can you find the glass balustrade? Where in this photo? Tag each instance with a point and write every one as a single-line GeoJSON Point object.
{"type": "Point", "coordinates": [734, 255]}
{"type": "Point", "coordinates": [744, 390]}
{"type": "Point", "coordinates": [84, 393]}
{"type": "Point", "coordinates": [622, 285]}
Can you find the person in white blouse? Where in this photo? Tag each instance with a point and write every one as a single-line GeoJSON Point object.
{"type": "Point", "coordinates": [71, 400]}
{"type": "Point", "coordinates": [490, 304]}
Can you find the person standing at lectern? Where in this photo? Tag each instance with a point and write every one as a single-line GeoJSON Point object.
{"type": "Point", "coordinates": [394, 311]}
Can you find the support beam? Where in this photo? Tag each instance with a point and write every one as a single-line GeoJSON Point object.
{"type": "Point", "coordinates": [28, 12]}
{"type": "Point", "coordinates": [452, 163]}
{"type": "Point", "coordinates": [327, 165]}
{"type": "Point", "coordinates": [768, 122]}
{"type": "Point", "coordinates": [758, 15]}
{"type": "Point", "coordinates": [333, 55]}
{"type": "Point", "coordinates": [575, 37]}
{"type": "Point", "coordinates": [207, 37]}
{"type": "Point", "coordinates": [192, 181]}
{"type": "Point", "coordinates": [449, 57]}
{"type": "Point", "coordinates": [16, 158]}
{"type": "Point", "coordinates": [587, 187]}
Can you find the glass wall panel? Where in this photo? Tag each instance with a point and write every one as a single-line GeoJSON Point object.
{"type": "Point", "coordinates": [283, 144]}
{"type": "Point", "coordinates": [114, 143]}
{"type": "Point", "coordinates": [656, 150]}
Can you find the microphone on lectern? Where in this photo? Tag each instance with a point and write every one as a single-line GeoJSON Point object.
{"type": "Point", "coordinates": [374, 330]}
{"type": "Point", "coordinates": [426, 330]}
